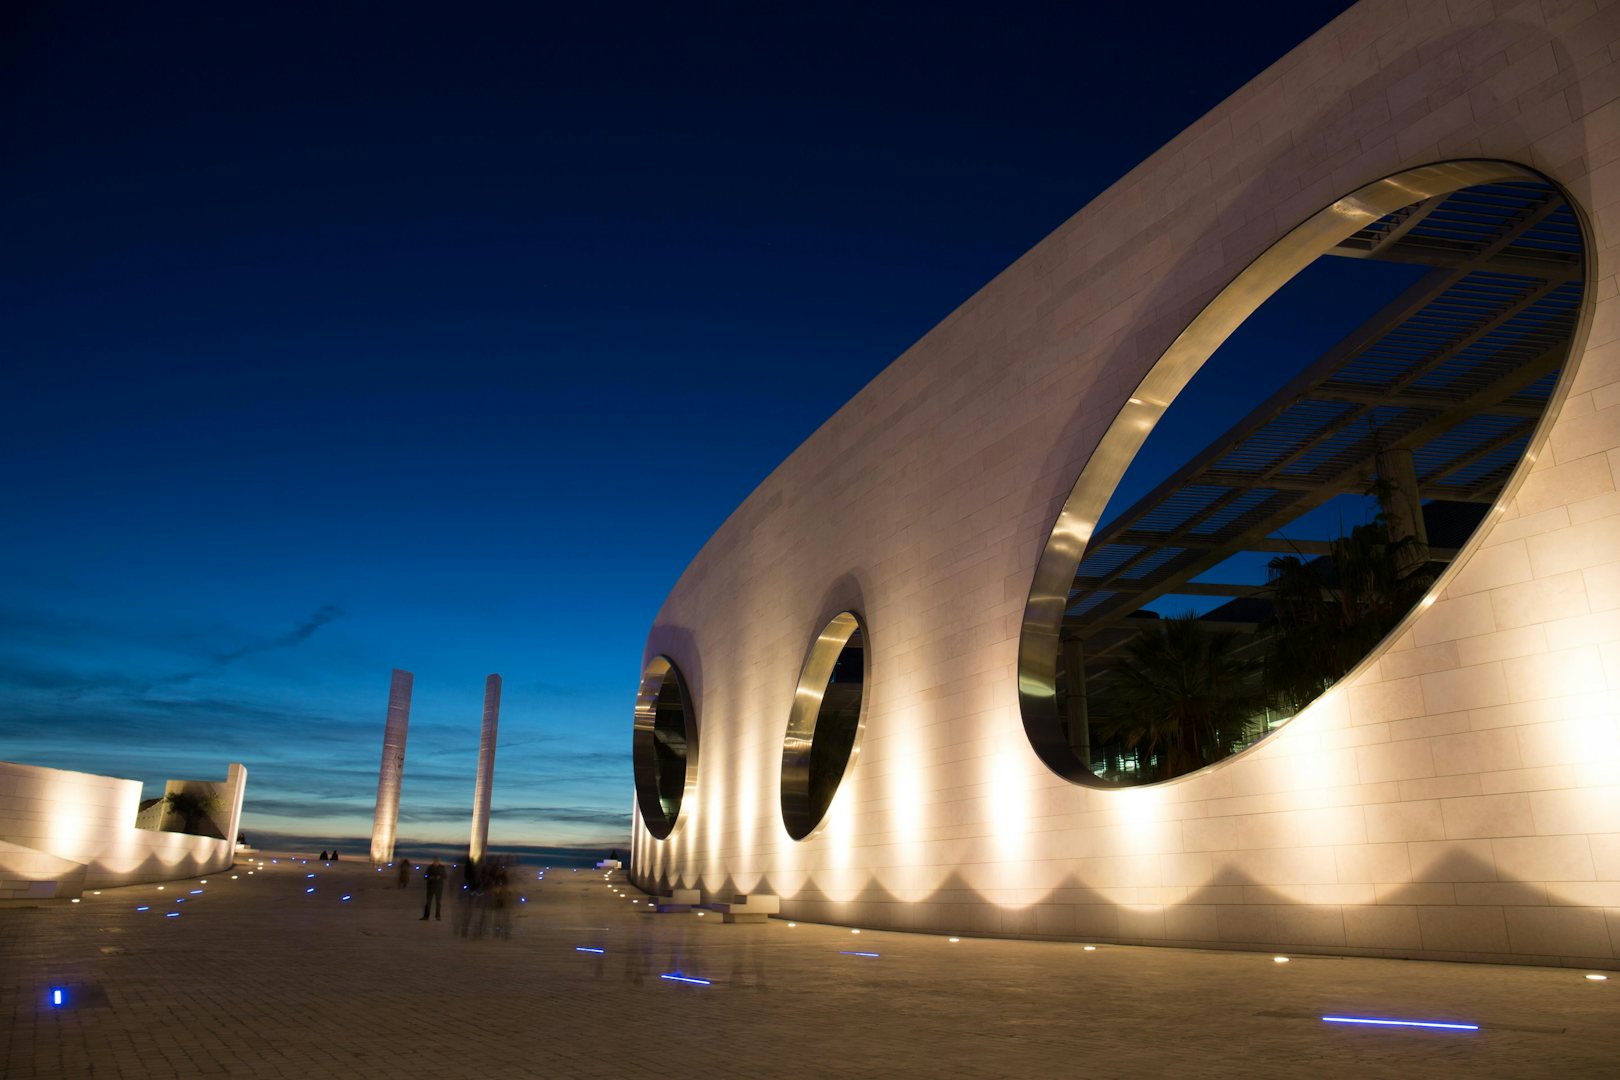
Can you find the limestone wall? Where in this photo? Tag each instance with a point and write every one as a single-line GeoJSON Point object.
{"type": "Point", "coordinates": [1457, 798]}
{"type": "Point", "coordinates": [74, 830]}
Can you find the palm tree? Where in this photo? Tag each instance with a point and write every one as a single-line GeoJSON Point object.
{"type": "Point", "coordinates": [1330, 612]}
{"type": "Point", "coordinates": [193, 807]}
{"type": "Point", "coordinates": [1180, 696]}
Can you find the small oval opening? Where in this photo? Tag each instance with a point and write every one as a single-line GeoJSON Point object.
{"type": "Point", "coordinates": [664, 746]}
{"type": "Point", "coordinates": [825, 727]}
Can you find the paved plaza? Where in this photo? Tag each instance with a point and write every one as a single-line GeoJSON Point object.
{"type": "Point", "coordinates": [257, 976]}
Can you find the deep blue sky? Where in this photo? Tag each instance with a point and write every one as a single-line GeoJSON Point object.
{"type": "Point", "coordinates": [340, 338]}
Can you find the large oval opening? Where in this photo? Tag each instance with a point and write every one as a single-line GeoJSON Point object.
{"type": "Point", "coordinates": [1325, 438]}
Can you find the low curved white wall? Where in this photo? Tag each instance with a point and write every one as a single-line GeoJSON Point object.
{"type": "Point", "coordinates": [1458, 801]}
{"type": "Point", "coordinates": [89, 821]}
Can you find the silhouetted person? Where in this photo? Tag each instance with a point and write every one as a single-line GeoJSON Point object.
{"type": "Point", "coordinates": [471, 896]}
{"type": "Point", "coordinates": [323, 854]}
{"type": "Point", "coordinates": [404, 872]}
{"type": "Point", "coordinates": [334, 855]}
{"type": "Point", "coordinates": [435, 890]}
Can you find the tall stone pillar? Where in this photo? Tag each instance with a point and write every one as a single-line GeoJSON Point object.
{"type": "Point", "coordinates": [486, 769]}
{"type": "Point", "coordinates": [385, 826]}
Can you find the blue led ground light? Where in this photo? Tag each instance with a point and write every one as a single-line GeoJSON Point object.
{"type": "Point", "coordinates": [586, 948]}
{"type": "Point", "coordinates": [675, 976]}
{"type": "Point", "coordinates": [58, 998]}
{"type": "Point", "coordinates": [848, 952]}
{"type": "Point", "coordinates": [1376, 1022]}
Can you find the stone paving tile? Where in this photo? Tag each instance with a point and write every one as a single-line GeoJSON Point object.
{"type": "Point", "coordinates": [257, 978]}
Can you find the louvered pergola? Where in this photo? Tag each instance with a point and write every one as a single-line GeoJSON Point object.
{"type": "Point", "coordinates": [1456, 371]}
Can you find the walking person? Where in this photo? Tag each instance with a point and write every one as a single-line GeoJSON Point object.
{"type": "Point", "coordinates": [404, 871]}
{"type": "Point", "coordinates": [435, 890]}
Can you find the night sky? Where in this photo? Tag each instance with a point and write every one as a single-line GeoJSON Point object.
{"type": "Point", "coordinates": [442, 337]}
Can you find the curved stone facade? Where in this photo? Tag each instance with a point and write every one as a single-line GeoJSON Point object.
{"type": "Point", "coordinates": [1458, 797]}
{"type": "Point", "coordinates": [62, 832]}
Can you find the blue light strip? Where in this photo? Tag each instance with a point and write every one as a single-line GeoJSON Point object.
{"type": "Point", "coordinates": [848, 952]}
{"type": "Point", "coordinates": [144, 907]}
{"type": "Point", "coordinates": [172, 915]}
{"type": "Point", "coordinates": [56, 998]}
{"type": "Point", "coordinates": [1399, 1023]}
{"type": "Point", "coordinates": [586, 948]}
{"type": "Point", "coordinates": [677, 977]}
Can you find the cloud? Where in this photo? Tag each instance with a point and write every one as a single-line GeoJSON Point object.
{"type": "Point", "coordinates": [305, 808]}
{"type": "Point", "coordinates": [423, 814]}
{"type": "Point", "coordinates": [61, 631]}
{"type": "Point", "coordinates": [296, 636]}
{"type": "Point", "coordinates": [578, 815]}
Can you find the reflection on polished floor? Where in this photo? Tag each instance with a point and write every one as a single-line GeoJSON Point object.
{"type": "Point", "coordinates": [255, 975]}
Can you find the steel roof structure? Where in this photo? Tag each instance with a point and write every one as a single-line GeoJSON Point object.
{"type": "Point", "coordinates": [1458, 369]}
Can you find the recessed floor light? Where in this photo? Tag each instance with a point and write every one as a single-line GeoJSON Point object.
{"type": "Point", "coordinates": [1598, 978]}
{"type": "Point", "coordinates": [1279, 959]}
{"type": "Point", "coordinates": [1379, 1022]}
{"type": "Point", "coordinates": [954, 940]}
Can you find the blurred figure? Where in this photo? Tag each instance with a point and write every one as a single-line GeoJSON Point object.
{"type": "Point", "coordinates": [471, 880]}
{"type": "Point", "coordinates": [334, 855]}
{"type": "Point", "coordinates": [323, 855]}
{"type": "Point", "coordinates": [435, 890]}
{"type": "Point", "coordinates": [404, 871]}
{"type": "Point", "coordinates": [497, 896]}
